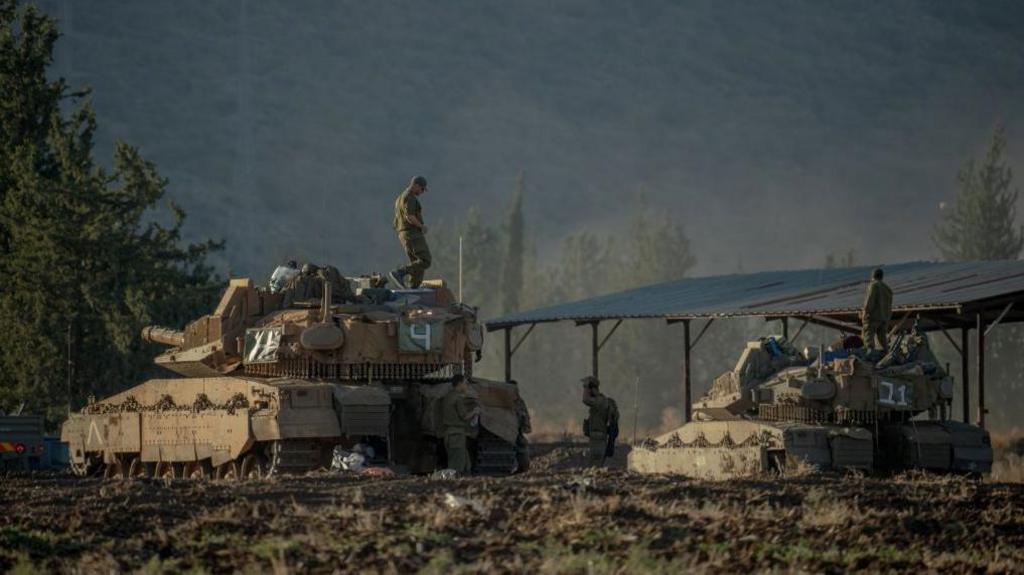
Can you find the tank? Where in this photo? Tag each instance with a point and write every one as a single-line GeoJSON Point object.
{"type": "Point", "coordinates": [278, 377]}
{"type": "Point", "coordinates": [844, 408]}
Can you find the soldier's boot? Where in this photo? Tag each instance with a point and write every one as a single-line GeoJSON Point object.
{"type": "Point", "coordinates": [415, 279]}
{"type": "Point", "coordinates": [398, 277]}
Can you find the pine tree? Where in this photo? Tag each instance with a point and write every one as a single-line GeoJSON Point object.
{"type": "Point", "coordinates": [512, 266]}
{"type": "Point", "coordinates": [658, 250]}
{"type": "Point", "coordinates": [82, 246]}
{"type": "Point", "coordinates": [845, 259]}
{"type": "Point", "coordinates": [482, 249]}
{"type": "Point", "coordinates": [982, 225]}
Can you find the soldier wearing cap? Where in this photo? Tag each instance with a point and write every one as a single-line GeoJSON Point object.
{"type": "Point", "coordinates": [412, 233]}
{"type": "Point", "coordinates": [602, 421]}
{"type": "Point", "coordinates": [876, 313]}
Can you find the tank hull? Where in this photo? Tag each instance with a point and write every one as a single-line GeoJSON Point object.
{"type": "Point", "coordinates": [217, 425]}
{"type": "Point", "coordinates": [730, 449]}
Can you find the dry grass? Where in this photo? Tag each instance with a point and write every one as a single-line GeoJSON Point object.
{"type": "Point", "coordinates": [822, 508]}
{"type": "Point", "coordinates": [538, 523]}
{"type": "Point", "coordinates": [563, 520]}
{"type": "Point", "coordinates": [1008, 468]}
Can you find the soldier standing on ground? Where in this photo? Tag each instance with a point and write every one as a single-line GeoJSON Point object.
{"type": "Point", "coordinates": [525, 427]}
{"type": "Point", "coordinates": [603, 416]}
{"type": "Point", "coordinates": [876, 313]}
{"type": "Point", "coordinates": [457, 413]}
{"type": "Point", "coordinates": [412, 233]}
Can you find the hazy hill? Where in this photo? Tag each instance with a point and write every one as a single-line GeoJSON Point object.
{"type": "Point", "coordinates": [776, 131]}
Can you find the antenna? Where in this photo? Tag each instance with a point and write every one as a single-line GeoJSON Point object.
{"type": "Point", "coordinates": [323, 239]}
{"type": "Point", "coordinates": [821, 359]}
{"type": "Point", "coordinates": [636, 406]}
{"type": "Point", "coordinates": [71, 367]}
{"type": "Point", "coordinates": [326, 312]}
{"type": "Point", "coordinates": [460, 269]}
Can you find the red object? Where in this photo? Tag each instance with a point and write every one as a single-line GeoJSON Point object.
{"type": "Point", "coordinates": [19, 448]}
{"type": "Point", "coordinates": [377, 472]}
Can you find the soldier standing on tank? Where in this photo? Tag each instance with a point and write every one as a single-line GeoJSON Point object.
{"type": "Point", "coordinates": [457, 413]}
{"type": "Point", "coordinates": [602, 418]}
{"type": "Point", "coordinates": [412, 233]}
{"type": "Point", "coordinates": [876, 313]}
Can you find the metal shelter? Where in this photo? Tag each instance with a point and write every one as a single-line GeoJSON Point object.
{"type": "Point", "coordinates": [940, 296]}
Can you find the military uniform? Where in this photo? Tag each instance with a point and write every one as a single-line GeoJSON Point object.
{"type": "Point", "coordinates": [525, 427]}
{"type": "Point", "coordinates": [875, 315]}
{"type": "Point", "coordinates": [304, 287]}
{"type": "Point", "coordinates": [603, 414]}
{"type": "Point", "coordinates": [456, 413]}
{"type": "Point", "coordinates": [309, 286]}
{"type": "Point", "coordinates": [412, 238]}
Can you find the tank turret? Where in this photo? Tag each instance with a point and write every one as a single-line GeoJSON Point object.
{"type": "Point", "coordinates": [844, 384]}
{"type": "Point", "coordinates": [320, 327]}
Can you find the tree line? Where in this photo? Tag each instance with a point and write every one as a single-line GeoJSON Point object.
{"type": "Point", "coordinates": [88, 254]}
{"type": "Point", "coordinates": [503, 273]}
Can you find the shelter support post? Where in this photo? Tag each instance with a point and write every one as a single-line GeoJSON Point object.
{"type": "Point", "coordinates": [597, 344]}
{"type": "Point", "coordinates": [510, 350]}
{"type": "Point", "coordinates": [799, 331]}
{"type": "Point", "coordinates": [952, 342]}
{"type": "Point", "coordinates": [701, 333]}
{"type": "Point", "coordinates": [785, 328]}
{"type": "Point", "coordinates": [686, 371]}
{"type": "Point", "coordinates": [992, 325]}
{"type": "Point", "coordinates": [508, 354]}
{"type": "Point", "coordinates": [981, 371]}
{"type": "Point", "coordinates": [965, 374]}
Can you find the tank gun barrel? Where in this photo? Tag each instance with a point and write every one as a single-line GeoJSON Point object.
{"type": "Point", "coordinates": [164, 335]}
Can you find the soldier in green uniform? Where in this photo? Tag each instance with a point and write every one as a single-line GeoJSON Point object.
{"type": "Point", "coordinates": [525, 427]}
{"type": "Point", "coordinates": [876, 313]}
{"type": "Point", "coordinates": [457, 413]}
{"type": "Point", "coordinates": [603, 416]}
{"type": "Point", "coordinates": [305, 286]}
{"type": "Point", "coordinates": [412, 233]}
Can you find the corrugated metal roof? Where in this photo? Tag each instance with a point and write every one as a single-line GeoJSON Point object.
{"type": "Point", "coordinates": [837, 291]}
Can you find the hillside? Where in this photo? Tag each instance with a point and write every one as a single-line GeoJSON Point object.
{"type": "Point", "coordinates": [775, 133]}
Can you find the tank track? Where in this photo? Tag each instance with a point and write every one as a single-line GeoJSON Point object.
{"type": "Point", "coordinates": [494, 455]}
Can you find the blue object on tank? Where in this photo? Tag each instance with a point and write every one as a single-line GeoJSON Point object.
{"type": "Point", "coordinates": [838, 354]}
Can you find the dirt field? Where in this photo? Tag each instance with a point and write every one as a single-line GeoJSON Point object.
{"type": "Point", "coordinates": [553, 520]}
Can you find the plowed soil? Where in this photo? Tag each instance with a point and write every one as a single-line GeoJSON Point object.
{"type": "Point", "coordinates": [554, 519]}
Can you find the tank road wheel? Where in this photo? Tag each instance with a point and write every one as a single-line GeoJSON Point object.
{"type": "Point", "coordinates": [777, 461]}
{"type": "Point", "coordinates": [167, 470]}
{"type": "Point", "coordinates": [198, 470]}
{"type": "Point", "coordinates": [138, 469]}
{"type": "Point", "coordinates": [87, 468]}
{"type": "Point", "coordinates": [113, 470]}
{"type": "Point", "coordinates": [227, 471]}
{"type": "Point", "coordinates": [254, 466]}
